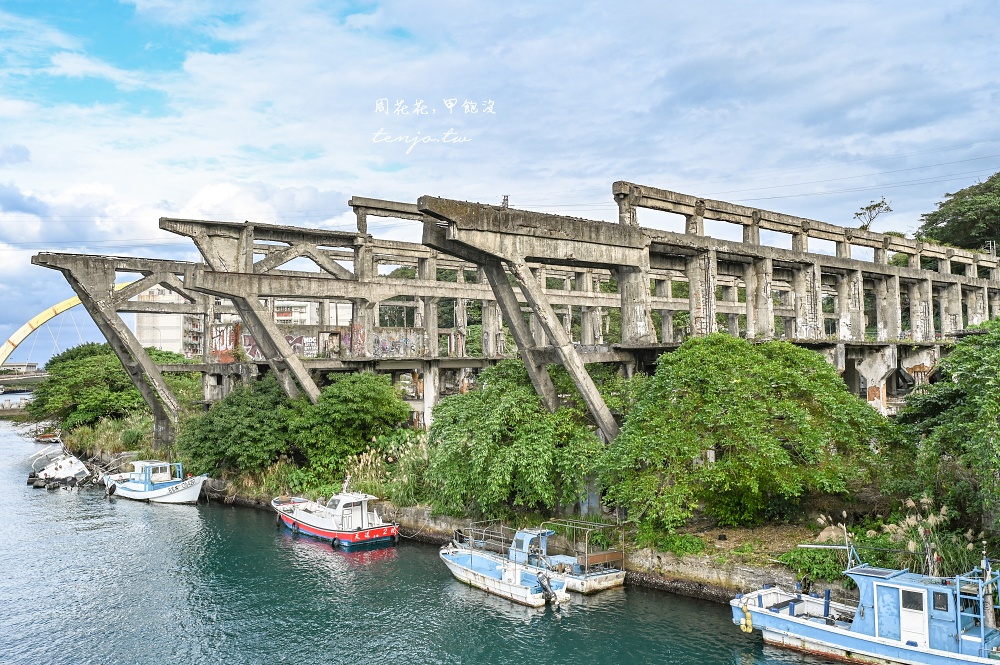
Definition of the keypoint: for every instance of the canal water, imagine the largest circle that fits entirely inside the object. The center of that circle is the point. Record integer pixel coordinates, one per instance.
(91, 580)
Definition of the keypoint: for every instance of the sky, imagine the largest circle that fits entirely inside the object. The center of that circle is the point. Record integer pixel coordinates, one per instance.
(115, 113)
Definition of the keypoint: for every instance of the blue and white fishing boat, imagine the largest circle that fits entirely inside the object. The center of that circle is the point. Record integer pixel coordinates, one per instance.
(901, 617)
(156, 481)
(507, 579)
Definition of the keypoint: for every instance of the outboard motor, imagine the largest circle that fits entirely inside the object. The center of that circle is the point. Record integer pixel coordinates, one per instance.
(547, 593)
(111, 489)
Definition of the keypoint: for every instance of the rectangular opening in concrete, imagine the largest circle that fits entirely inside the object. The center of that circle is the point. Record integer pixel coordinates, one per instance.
(663, 221)
(724, 230)
(776, 239)
(959, 268)
(397, 271)
(861, 253)
(820, 246)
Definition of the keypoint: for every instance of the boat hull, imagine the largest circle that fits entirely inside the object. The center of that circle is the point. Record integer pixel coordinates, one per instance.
(809, 636)
(465, 571)
(380, 536)
(594, 582)
(183, 492)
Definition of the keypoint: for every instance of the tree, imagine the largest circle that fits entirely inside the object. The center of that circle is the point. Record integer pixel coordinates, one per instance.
(968, 218)
(742, 428)
(956, 426)
(87, 383)
(867, 214)
(497, 448)
(350, 413)
(246, 431)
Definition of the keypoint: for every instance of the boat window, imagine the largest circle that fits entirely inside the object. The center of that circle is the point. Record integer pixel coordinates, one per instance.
(913, 600)
(941, 601)
(333, 503)
(519, 544)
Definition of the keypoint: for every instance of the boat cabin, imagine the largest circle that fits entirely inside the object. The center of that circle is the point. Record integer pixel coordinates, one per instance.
(947, 613)
(350, 511)
(151, 472)
(530, 546)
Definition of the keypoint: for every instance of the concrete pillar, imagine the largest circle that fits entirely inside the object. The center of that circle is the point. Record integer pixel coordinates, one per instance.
(751, 231)
(626, 210)
(922, 311)
(843, 249)
(492, 330)
(875, 368)
(951, 308)
(851, 306)
(461, 318)
(760, 306)
(364, 262)
(362, 215)
(887, 308)
(800, 242)
(432, 389)
(590, 317)
(915, 258)
(665, 289)
(730, 295)
(362, 326)
(637, 324)
(695, 224)
(807, 282)
(994, 299)
(431, 327)
(976, 304)
(702, 273)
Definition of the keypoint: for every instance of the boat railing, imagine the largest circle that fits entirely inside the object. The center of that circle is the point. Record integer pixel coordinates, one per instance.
(596, 546)
(489, 535)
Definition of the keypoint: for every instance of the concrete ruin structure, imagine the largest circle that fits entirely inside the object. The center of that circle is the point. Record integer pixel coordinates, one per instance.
(568, 291)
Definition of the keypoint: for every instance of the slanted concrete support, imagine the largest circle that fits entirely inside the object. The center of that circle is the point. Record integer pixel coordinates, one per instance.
(887, 308)
(511, 309)
(702, 272)
(282, 360)
(93, 281)
(850, 306)
(922, 311)
(808, 287)
(637, 325)
(760, 306)
(532, 291)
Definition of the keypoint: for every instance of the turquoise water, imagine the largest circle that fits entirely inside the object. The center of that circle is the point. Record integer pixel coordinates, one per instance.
(88, 580)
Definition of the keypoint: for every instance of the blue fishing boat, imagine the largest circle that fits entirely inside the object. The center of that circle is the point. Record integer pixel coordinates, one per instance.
(900, 617)
(507, 579)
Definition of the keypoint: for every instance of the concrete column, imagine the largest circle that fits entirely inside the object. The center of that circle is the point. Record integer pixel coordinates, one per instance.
(922, 311)
(461, 318)
(492, 330)
(843, 249)
(976, 304)
(800, 242)
(887, 307)
(951, 308)
(362, 215)
(664, 289)
(362, 326)
(590, 320)
(751, 231)
(695, 224)
(915, 258)
(702, 273)
(875, 368)
(537, 331)
(994, 299)
(730, 295)
(432, 380)
(626, 210)
(807, 282)
(851, 306)
(364, 262)
(760, 306)
(637, 325)
(431, 327)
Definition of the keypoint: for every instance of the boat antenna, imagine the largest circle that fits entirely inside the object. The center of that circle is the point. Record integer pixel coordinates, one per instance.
(346, 480)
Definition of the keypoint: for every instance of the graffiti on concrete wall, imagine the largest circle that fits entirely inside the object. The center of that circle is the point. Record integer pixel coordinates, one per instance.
(397, 343)
(302, 346)
(224, 341)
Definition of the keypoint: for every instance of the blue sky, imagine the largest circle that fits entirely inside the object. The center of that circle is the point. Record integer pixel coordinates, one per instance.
(115, 113)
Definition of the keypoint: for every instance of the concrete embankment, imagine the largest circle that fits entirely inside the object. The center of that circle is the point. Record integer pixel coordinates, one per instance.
(696, 576)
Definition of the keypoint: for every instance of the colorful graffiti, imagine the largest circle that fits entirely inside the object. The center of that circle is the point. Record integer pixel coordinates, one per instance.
(224, 341)
(397, 343)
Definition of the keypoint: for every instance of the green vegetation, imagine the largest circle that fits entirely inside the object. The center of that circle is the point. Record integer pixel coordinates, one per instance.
(968, 218)
(88, 383)
(776, 418)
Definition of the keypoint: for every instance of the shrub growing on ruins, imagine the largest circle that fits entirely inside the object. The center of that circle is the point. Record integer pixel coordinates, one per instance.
(497, 448)
(735, 426)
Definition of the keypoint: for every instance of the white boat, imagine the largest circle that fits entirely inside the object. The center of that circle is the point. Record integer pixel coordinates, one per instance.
(901, 617)
(507, 579)
(153, 480)
(584, 569)
(345, 520)
(55, 464)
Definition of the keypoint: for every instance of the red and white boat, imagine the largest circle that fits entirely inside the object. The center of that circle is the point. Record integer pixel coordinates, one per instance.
(345, 520)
